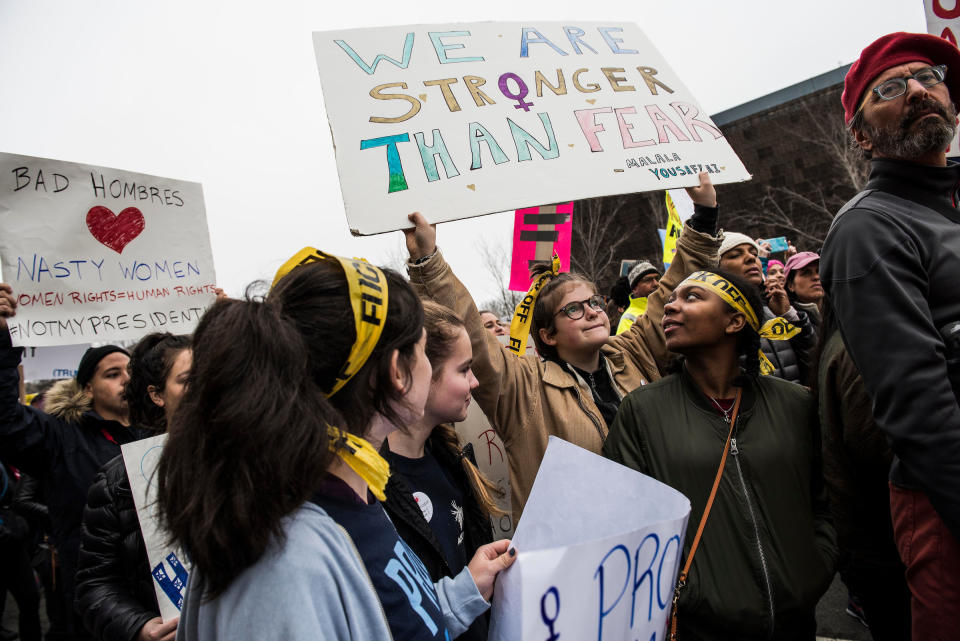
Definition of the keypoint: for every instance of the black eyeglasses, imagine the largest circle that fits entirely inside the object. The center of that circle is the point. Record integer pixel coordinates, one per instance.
(896, 87)
(575, 310)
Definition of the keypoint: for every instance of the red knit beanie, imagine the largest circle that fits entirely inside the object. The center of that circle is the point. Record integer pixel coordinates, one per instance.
(896, 49)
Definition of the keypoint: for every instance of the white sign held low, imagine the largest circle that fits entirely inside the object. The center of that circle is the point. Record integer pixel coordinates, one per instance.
(168, 566)
(99, 255)
(599, 547)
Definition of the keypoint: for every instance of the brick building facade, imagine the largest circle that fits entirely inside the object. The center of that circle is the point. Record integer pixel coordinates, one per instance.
(792, 141)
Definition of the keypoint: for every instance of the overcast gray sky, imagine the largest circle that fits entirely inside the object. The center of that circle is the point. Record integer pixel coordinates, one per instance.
(227, 94)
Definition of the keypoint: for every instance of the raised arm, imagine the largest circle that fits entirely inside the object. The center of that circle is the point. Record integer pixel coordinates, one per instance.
(28, 437)
(696, 250)
(505, 380)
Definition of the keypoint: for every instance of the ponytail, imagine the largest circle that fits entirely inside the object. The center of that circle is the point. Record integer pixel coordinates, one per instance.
(248, 443)
(443, 327)
(444, 437)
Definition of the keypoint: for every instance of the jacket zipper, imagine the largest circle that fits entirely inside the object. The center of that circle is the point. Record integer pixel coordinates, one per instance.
(588, 413)
(756, 531)
(593, 418)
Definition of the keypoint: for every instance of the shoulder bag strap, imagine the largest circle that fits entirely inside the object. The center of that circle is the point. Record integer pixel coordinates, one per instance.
(682, 578)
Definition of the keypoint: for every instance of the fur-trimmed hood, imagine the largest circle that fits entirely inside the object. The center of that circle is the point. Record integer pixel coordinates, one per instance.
(67, 401)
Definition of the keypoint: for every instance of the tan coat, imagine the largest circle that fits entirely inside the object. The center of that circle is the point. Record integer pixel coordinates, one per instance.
(526, 399)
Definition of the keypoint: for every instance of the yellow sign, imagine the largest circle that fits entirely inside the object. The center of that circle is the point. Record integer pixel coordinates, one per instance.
(674, 227)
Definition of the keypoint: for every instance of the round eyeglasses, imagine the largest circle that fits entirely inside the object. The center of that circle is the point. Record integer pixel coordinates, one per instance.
(896, 87)
(575, 310)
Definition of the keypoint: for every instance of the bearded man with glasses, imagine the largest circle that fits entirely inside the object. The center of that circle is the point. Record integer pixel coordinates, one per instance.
(890, 266)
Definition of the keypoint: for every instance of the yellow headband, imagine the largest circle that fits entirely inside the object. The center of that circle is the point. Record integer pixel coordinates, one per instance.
(775, 329)
(368, 298)
(362, 459)
(522, 315)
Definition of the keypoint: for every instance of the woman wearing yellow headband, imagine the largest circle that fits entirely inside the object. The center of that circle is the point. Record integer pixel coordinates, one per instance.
(745, 445)
(575, 391)
(270, 478)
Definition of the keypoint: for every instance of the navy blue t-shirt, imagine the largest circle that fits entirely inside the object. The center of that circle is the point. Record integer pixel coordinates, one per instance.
(440, 501)
(402, 582)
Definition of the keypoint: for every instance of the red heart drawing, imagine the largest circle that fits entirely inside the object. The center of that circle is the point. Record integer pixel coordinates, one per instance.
(114, 231)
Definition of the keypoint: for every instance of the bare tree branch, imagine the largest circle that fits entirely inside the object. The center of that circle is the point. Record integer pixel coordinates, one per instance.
(496, 261)
(597, 235)
(804, 212)
(825, 129)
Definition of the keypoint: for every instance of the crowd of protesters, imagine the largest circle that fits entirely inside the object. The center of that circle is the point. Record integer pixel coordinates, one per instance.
(808, 408)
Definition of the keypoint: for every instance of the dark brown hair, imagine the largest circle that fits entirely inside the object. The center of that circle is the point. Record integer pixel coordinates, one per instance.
(150, 363)
(544, 316)
(316, 299)
(443, 328)
(249, 444)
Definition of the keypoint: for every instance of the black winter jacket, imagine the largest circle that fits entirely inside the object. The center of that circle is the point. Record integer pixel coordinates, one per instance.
(29, 504)
(890, 266)
(115, 594)
(856, 464)
(63, 449)
(416, 532)
(791, 358)
(13, 527)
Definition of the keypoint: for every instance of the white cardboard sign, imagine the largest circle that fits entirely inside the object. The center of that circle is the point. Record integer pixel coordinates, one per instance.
(99, 255)
(598, 549)
(944, 21)
(52, 363)
(461, 120)
(491, 455)
(169, 566)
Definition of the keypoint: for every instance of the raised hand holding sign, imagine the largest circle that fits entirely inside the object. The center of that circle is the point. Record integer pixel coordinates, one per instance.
(83, 273)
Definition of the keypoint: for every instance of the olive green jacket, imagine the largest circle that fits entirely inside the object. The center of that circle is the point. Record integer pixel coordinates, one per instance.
(768, 550)
(526, 399)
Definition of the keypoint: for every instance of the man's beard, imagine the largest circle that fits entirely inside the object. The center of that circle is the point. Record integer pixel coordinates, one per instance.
(931, 135)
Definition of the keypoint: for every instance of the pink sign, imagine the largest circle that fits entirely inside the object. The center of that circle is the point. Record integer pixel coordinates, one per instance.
(537, 233)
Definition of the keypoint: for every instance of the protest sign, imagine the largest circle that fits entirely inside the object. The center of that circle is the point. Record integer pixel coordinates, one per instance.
(682, 202)
(491, 455)
(491, 458)
(598, 549)
(945, 23)
(168, 565)
(52, 363)
(99, 255)
(674, 227)
(461, 120)
(538, 232)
